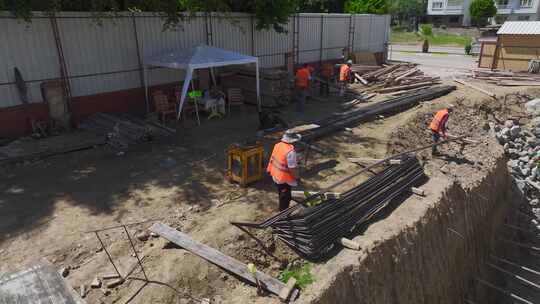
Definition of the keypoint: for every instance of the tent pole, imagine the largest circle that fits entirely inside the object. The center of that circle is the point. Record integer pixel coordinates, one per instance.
(145, 80)
(185, 87)
(259, 106)
(213, 76)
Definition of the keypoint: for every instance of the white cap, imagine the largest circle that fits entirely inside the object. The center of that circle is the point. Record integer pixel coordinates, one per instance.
(291, 137)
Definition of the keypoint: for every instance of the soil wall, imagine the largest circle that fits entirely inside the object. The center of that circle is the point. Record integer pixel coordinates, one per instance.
(436, 259)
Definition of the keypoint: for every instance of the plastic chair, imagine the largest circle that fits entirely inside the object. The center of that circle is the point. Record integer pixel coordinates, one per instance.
(235, 98)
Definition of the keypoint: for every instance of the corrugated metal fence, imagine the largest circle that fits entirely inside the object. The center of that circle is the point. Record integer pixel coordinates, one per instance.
(105, 55)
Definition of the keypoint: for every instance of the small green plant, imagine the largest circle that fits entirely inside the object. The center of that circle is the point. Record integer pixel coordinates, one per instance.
(301, 273)
(314, 201)
(468, 48)
(426, 29)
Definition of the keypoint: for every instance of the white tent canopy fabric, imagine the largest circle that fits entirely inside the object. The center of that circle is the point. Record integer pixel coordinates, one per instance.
(198, 57)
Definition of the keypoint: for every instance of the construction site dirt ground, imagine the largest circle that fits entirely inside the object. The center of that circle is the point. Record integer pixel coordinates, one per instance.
(47, 206)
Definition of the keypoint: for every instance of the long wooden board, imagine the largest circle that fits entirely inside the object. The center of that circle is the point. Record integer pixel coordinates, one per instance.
(216, 257)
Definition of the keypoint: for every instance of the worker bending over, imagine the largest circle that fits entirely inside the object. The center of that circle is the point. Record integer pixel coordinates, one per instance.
(283, 167)
(439, 126)
(302, 79)
(344, 76)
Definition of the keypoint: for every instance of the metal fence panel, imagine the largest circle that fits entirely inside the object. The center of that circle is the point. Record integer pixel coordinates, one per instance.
(310, 37)
(336, 35)
(92, 48)
(31, 48)
(154, 40)
(271, 46)
(362, 32)
(233, 32)
(104, 58)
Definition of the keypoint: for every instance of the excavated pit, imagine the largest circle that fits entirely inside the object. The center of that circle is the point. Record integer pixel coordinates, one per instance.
(439, 243)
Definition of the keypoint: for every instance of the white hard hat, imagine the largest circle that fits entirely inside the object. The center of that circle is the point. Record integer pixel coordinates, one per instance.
(291, 137)
(349, 61)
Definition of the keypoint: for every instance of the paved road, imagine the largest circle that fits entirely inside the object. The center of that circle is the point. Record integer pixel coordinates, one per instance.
(443, 65)
(436, 49)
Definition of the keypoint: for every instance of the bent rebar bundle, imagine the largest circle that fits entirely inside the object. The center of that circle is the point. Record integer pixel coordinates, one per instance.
(313, 231)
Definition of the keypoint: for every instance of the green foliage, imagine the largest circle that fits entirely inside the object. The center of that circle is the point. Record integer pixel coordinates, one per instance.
(366, 6)
(268, 13)
(435, 39)
(468, 48)
(404, 9)
(313, 201)
(481, 10)
(426, 29)
(302, 274)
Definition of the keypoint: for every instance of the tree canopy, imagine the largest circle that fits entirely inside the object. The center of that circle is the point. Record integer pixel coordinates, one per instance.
(366, 6)
(268, 13)
(481, 10)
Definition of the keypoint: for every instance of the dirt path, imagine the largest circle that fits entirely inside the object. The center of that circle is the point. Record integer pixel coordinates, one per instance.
(46, 207)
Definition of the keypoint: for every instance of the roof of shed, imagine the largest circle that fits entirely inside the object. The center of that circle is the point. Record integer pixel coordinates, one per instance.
(520, 28)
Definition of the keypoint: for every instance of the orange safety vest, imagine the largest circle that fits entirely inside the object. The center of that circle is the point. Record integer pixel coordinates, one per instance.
(277, 167)
(436, 123)
(344, 71)
(302, 78)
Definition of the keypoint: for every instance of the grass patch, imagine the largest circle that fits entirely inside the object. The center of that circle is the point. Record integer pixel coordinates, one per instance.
(435, 39)
(302, 274)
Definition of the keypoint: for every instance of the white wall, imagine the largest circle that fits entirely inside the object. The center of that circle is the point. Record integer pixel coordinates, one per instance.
(105, 56)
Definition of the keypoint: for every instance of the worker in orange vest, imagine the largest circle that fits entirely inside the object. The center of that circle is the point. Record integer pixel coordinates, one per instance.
(283, 167)
(439, 126)
(302, 79)
(344, 76)
(326, 72)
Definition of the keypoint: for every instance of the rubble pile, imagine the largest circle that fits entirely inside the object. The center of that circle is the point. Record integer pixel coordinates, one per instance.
(522, 146)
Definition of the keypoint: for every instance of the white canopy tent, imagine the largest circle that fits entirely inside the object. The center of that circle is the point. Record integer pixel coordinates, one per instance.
(199, 57)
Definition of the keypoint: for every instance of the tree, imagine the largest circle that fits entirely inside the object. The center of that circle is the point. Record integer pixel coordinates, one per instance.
(405, 10)
(268, 13)
(481, 10)
(366, 6)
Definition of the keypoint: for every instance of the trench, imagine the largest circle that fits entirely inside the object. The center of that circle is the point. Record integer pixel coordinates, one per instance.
(439, 258)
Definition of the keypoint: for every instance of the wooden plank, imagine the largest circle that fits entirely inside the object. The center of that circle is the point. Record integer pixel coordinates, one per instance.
(519, 83)
(216, 257)
(409, 73)
(418, 191)
(286, 292)
(347, 243)
(475, 87)
(406, 87)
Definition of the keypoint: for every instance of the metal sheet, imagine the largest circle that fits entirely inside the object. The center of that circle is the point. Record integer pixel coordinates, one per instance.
(520, 28)
(335, 35)
(310, 37)
(272, 46)
(31, 48)
(105, 47)
(38, 284)
(232, 32)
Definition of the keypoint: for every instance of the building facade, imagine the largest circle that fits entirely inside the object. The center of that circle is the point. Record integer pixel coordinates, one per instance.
(456, 12)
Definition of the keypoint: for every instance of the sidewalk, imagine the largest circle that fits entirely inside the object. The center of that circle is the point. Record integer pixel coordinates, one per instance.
(418, 49)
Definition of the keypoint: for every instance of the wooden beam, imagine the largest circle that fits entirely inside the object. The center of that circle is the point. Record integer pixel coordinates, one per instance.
(286, 292)
(216, 257)
(406, 87)
(347, 243)
(492, 95)
(418, 191)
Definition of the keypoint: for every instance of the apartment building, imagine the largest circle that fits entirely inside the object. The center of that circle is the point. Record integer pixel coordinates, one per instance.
(456, 12)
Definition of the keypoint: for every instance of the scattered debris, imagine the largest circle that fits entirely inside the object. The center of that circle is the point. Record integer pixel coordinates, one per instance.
(82, 291)
(142, 235)
(214, 256)
(96, 283)
(115, 283)
(64, 271)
